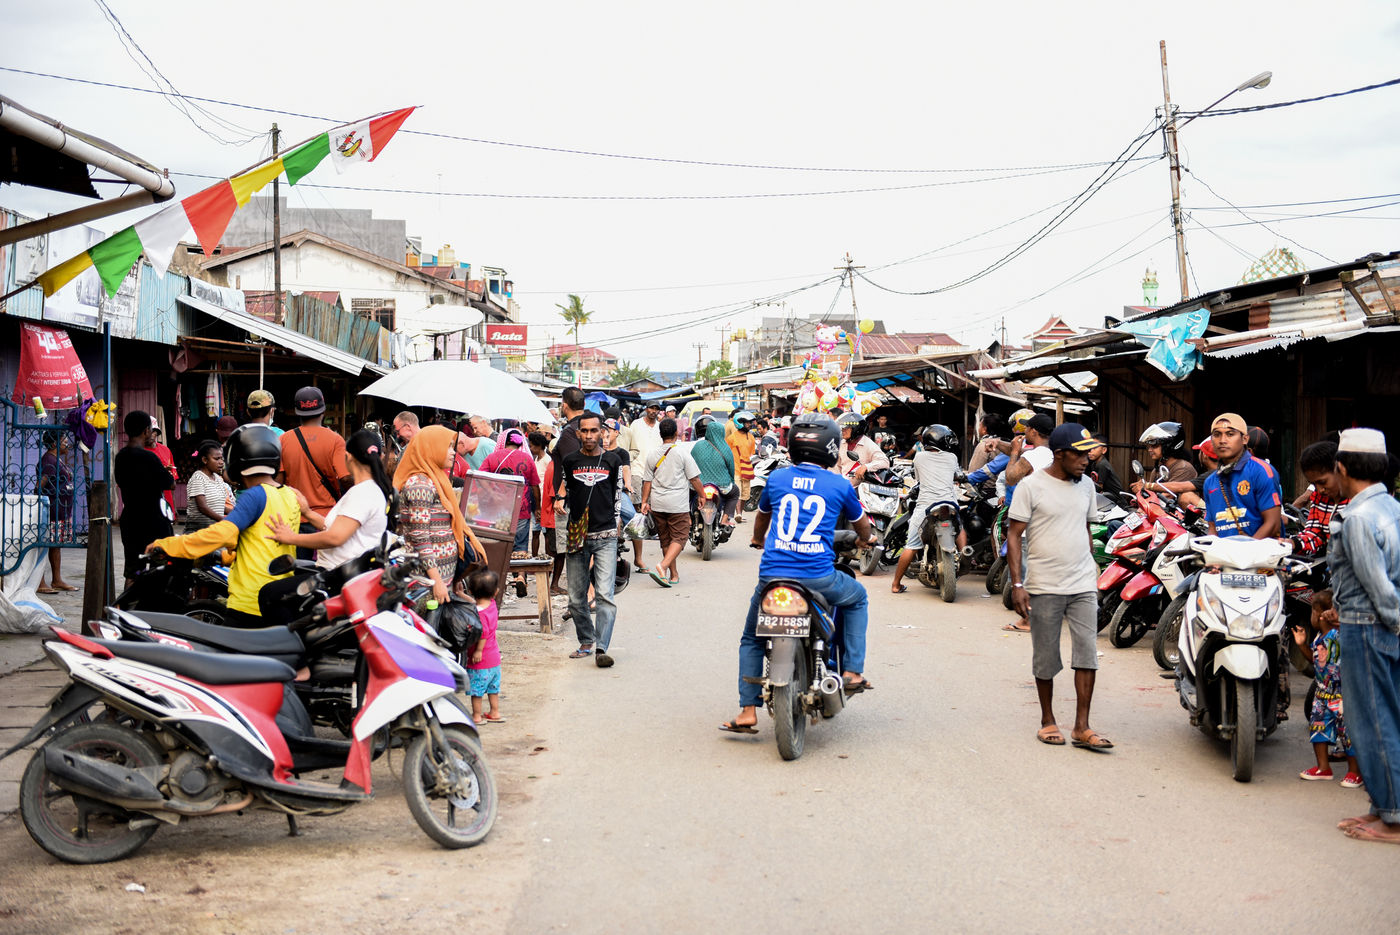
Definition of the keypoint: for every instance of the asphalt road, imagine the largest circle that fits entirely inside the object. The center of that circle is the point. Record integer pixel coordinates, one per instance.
(926, 805)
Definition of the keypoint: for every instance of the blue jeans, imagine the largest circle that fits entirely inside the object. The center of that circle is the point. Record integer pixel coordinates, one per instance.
(842, 591)
(602, 555)
(1371, 693)
(522, 535)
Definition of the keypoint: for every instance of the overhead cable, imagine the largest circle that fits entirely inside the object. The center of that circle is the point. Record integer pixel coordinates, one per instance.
(1230, 111)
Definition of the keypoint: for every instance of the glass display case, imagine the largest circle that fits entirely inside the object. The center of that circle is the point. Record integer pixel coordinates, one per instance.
(491, 504)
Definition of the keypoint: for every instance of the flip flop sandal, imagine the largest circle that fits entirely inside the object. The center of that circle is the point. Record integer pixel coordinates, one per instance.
(45, 590)
(1093, 742)
(855, 688)
(1370, 832)
(1012, 628)
(733, 727)
(1050, 734)
(658, 577)
(580, 653)
(899, 590)
(498, 719)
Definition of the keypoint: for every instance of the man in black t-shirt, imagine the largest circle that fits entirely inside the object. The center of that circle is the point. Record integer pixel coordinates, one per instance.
(586, 493)
(571, 404)
(143, 481)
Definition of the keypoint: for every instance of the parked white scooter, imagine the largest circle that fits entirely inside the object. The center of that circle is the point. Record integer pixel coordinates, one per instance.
(763, 465)
(1227, 676)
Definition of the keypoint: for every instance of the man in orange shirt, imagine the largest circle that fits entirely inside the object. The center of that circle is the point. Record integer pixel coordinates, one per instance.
(738, 433)
(313, 456)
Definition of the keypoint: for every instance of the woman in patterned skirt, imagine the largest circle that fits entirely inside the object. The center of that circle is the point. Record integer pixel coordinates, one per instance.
(428, 515)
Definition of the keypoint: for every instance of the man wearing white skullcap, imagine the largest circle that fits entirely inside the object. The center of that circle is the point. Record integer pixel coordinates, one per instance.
(1365, 563)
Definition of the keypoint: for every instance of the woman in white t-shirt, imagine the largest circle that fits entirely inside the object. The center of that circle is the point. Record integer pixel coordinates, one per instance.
(210, 496)
(358, 520)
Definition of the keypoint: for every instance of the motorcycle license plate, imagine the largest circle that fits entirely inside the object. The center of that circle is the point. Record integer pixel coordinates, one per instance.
(1134, 521)
(775, 625)
(1242, 581)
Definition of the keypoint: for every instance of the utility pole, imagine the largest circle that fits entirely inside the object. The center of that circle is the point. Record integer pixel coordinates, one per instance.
(850, 275)
(698, 348)
(1174, 167)
(723, 343)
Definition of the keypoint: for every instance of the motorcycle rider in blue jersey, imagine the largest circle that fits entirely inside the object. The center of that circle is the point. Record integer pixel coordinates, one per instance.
(809, 501)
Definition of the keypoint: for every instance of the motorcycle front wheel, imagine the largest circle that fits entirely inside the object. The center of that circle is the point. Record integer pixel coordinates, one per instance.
(87, 832)
(789, 720)
(1246, 722)
(451, 792)
(996, 575)
(1129, 623)
(1165, 649)
(751, 503)
(869, 560)
(1108, 606)
(208, 612)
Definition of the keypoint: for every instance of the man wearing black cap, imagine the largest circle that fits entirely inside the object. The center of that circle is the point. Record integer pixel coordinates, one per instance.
(313, 456)
(1052, 509)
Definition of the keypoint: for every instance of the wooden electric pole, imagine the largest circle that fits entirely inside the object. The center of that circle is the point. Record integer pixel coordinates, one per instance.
(279, 313)
(1174, 167)
(698, 348)
(850, 276)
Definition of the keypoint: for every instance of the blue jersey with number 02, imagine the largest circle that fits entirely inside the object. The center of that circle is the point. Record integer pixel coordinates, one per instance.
(806, 502)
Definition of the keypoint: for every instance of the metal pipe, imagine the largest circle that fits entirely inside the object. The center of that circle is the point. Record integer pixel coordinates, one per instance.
(81, 215)
(53, 135)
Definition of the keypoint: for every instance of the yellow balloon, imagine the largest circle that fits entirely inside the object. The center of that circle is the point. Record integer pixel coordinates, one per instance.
(866, 326)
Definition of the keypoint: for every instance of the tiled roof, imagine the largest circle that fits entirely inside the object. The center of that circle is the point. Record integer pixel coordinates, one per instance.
(907, 342)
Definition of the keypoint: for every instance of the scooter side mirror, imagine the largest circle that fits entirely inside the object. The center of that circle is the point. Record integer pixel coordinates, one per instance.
(1137, 467)
(281, 565)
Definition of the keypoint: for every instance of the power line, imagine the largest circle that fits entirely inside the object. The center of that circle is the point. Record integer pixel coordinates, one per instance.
(575, 152)
(1297, 204)
(1229, 111)
(1103, 179)
(720, 197)
(173, 97)
(1260, 223)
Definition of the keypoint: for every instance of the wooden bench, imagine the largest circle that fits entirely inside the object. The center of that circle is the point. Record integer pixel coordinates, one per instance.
(540, 568)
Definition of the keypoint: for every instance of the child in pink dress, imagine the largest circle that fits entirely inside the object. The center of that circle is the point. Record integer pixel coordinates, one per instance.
(484, 669)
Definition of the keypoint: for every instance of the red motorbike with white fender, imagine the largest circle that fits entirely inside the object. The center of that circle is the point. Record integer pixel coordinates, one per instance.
(146, 734)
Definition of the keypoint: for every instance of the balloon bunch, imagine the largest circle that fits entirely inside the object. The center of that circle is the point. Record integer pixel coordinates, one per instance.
(823, 386)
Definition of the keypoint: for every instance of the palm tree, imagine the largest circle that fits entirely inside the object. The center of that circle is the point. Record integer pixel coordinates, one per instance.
(575, 315)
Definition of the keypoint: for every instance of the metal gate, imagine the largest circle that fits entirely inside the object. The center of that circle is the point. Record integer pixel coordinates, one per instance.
(45, 476)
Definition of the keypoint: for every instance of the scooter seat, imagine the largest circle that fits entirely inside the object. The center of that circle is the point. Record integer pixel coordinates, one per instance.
(259, 641)
(209, 668)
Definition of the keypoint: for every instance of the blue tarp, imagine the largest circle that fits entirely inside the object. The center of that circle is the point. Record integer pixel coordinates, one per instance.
(1167, 340)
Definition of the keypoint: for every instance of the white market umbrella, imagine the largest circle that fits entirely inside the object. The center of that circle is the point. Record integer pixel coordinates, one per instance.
(461, 386)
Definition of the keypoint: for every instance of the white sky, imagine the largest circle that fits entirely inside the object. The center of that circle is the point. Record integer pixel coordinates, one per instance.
(873, 85)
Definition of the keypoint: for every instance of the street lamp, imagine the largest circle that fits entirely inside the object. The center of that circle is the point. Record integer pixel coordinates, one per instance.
(1260, 80)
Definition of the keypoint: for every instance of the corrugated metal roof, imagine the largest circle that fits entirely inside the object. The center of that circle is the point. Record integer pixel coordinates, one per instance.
(285, 337)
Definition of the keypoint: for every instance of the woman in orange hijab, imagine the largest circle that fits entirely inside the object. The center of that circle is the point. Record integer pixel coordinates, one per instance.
(428, 515)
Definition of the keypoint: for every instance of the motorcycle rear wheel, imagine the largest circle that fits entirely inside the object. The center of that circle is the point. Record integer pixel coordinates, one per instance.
(440, 791)
(55, 819)
(1243, 740)
(751, 503)
(707, 541)
(948, 577)
(789, 720)
(996, 575)
(1165, 649)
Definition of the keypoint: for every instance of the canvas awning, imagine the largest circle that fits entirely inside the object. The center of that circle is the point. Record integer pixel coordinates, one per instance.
(285, 337)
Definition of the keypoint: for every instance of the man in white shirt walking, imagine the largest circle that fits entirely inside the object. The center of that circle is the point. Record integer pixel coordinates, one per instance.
(1052, 508)
(643, 437)
(666, 473)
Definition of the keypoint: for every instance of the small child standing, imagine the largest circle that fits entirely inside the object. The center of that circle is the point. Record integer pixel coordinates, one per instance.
(484, 669)
(1327, 726)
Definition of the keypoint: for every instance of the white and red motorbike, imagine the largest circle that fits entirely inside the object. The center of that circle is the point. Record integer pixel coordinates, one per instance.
(150, 734)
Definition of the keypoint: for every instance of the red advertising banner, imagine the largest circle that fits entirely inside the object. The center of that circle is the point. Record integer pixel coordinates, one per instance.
(508, 337)
(49, 368)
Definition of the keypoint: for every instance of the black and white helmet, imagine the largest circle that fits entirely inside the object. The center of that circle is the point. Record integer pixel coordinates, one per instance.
(1169, 435)
(815, 439)
(940, 437)
(252, 449)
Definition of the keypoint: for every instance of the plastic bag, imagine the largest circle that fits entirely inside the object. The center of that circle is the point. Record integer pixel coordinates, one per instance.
(21, 610)
(458, 623)
(641, 526)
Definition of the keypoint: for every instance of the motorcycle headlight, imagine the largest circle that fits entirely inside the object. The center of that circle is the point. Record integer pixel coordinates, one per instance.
(1159, 535)
(1275, 605)
(1210, 605)
(783, 602)
(1246, 626)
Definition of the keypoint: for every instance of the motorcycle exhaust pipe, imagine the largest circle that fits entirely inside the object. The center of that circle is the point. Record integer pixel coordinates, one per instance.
(832, 702)
(967, 551)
